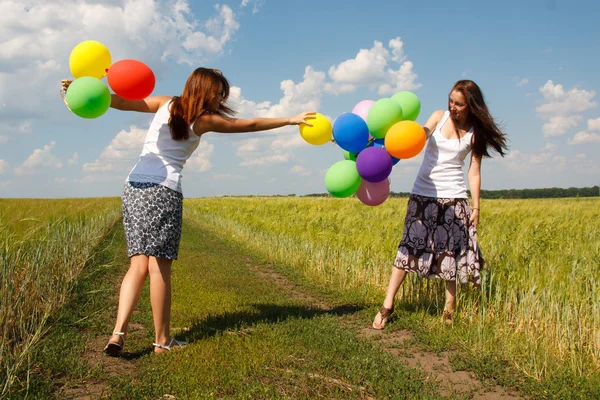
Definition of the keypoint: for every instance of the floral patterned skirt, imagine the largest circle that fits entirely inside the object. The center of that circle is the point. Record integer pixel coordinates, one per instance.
(438, 242)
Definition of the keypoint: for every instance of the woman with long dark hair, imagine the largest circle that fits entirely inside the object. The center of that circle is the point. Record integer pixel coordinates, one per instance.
(440, 228)
(152, 198)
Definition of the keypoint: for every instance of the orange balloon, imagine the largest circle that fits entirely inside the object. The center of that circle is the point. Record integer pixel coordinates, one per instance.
(405, 139)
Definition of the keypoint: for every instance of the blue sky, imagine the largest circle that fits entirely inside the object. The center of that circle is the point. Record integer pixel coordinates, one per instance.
(536, 62)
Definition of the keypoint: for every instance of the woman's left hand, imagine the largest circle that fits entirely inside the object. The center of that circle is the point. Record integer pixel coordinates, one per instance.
(474, 220)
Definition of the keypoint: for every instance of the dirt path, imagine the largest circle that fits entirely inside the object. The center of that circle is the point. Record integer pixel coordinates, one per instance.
(399, 343)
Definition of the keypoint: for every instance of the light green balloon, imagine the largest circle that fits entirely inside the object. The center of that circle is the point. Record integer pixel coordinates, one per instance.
(88, 97)
(410, 103)
(349, 156)
(342, 179)
(382, 115)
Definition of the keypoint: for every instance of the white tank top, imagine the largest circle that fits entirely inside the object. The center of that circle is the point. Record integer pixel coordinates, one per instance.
(163, 158)
(441, 173)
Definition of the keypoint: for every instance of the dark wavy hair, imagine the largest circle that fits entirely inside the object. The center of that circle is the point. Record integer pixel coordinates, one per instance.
(486, 132)
(201, 87)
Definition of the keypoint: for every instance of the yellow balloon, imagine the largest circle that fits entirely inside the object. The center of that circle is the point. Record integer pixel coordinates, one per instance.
(89, 58)
(319, 133)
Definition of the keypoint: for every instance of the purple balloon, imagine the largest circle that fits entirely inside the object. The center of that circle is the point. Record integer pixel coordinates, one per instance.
(373, 194)
(374, 164)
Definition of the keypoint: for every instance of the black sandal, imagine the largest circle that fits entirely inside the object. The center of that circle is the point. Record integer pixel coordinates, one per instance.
(115, 349)
(385, 314)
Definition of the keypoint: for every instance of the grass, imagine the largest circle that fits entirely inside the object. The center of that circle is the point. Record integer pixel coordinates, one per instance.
(43, 249)
(537, 314)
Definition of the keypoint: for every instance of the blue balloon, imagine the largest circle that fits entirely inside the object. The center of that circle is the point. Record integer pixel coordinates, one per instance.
(350, 132)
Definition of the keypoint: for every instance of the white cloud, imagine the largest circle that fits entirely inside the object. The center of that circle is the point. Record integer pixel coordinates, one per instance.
(60, 180)
(73, 160)
(562, 109)
(200, 160)
(558, 125)
(39, 160)
(300, 170)
(520, 82)
(371, 68)
(121, 154)
(40, 37)
(593, 124)
(585, 137)
(25, 126)
(557, 101)
(267, 160)
(3, 166)
(256, 5)
(3, 139)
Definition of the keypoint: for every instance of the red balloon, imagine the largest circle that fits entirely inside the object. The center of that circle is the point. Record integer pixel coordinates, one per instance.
(131, 79)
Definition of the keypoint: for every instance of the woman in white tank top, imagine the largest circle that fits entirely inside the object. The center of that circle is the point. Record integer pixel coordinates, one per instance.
(440, 227)
(152, 196)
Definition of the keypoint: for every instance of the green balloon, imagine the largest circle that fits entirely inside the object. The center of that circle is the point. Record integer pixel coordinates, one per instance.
(410, 103)
(349, 156)
(88, 97)
(342, 179)
(382, 115)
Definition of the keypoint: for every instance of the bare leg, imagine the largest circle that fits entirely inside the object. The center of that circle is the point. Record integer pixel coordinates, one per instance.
(396, 280)
(160, 298)
(450, 306)
(131, 289)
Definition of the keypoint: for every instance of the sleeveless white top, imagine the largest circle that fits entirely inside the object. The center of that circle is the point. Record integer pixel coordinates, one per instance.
(441, 173)
(163, 158)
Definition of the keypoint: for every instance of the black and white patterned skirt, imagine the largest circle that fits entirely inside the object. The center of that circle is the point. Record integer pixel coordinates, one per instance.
(438, 242)
(152, 217)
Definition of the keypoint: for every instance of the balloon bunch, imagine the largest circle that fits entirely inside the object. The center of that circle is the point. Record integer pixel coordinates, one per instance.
(90, 61)
(373, 137)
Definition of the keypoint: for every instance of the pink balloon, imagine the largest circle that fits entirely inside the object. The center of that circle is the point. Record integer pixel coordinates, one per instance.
(373, 194)
(362, 108)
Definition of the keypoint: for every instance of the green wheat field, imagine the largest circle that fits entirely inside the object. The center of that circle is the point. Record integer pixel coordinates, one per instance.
(537, 311)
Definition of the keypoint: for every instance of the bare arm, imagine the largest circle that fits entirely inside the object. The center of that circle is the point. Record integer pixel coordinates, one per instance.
(432, 122)
(221, 124)
(474, 176)
(147, 105)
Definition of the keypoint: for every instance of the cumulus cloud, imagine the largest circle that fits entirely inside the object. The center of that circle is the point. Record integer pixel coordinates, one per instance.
(561, 109)
(3, 166)
(39, 160)
(584, 137)
(120, 155)
(200, 160)
(386, 70)
(40, 37)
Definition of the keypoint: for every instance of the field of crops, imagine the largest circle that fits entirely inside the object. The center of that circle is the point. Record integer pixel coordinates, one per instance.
(538, 307)
(44, 245)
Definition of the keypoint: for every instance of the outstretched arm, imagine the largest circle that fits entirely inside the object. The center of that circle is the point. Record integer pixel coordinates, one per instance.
(221, 124)
(147, 105)
(475, 187)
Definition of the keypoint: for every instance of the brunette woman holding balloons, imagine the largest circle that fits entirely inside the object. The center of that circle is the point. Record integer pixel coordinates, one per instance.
(439, 238)
(152, 198)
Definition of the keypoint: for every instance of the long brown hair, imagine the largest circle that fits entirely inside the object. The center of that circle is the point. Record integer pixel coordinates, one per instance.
(201, 87)
(486, 131)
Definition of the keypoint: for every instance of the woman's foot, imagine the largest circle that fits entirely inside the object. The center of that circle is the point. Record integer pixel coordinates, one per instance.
(382, 317)
(115, 344)
(173, 343)
(447, 317)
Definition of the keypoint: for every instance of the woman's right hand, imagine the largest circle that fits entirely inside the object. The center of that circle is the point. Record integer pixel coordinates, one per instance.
(302, 118)
(65, 83)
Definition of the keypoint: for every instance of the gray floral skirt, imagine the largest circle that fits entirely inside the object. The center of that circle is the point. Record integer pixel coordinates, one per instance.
(152, 217)
(438, 242)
